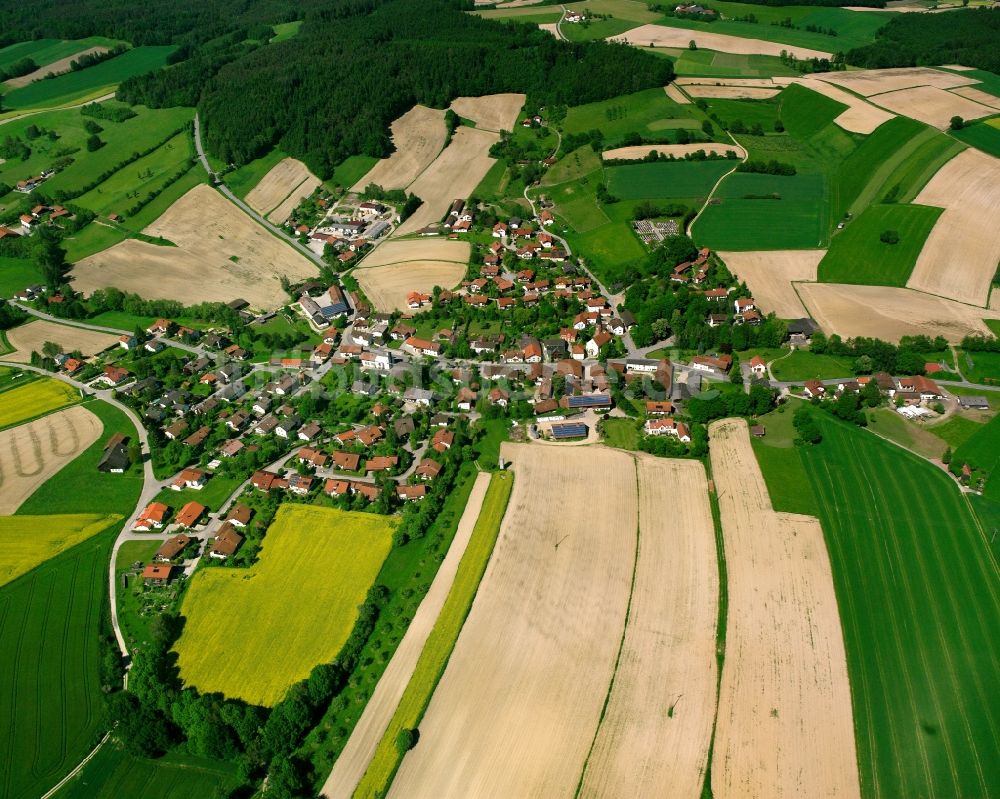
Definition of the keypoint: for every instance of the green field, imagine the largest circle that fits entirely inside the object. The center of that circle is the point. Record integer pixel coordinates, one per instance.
(980, 367)
(981, 451)
(802, 365)
(48, 51)
(956, 430)
(216, 491)
(666, 178)
(351, 170)
(983, 135)
(50, 693)
(283, 639)
(90, 82)
(648, 113)
(16, 274)
(285, 30)
(571, 166)
(917, 587)
(710, 63)
(787, 482)
(434, 657)
(915, 172)
(857, 255)
(913, 436)
(242, 180)
(620, 433)
(576, 202)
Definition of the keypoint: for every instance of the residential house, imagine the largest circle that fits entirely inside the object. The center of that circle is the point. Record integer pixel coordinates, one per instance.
(156, 574)
(411, 492)
(442, 440)
(190, 514)
(381, 463)
(226, 542)
(190, 478)
(239, 515)
(172, 547)
(153, 517)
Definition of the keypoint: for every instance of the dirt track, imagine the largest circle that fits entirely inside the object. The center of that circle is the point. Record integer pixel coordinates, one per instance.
(31, 453)
(31, 336)
(418, 137)
(769, 274)
(663, 36)
(492, 112)
(785, 725)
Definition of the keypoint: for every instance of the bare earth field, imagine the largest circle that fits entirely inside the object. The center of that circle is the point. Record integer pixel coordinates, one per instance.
(663, 36)
(208, 231)
(279, 183)
(876, 81)
(515, 712)
(454, 174)
(492, 112)
(280, 214)
(433, 249)
(550, 27)
(733, 92)
(931, 105)
(654, 737)
(887, 312)
(785, 725)
(676, 94)
(961, 253)
(418, 137)
(357, 754)
(978, 95)
(763, 83)
(387, 286)
(62, 65)
(640, 151)
(860, 116)
(31, 453)
(31, 336)
(770, 275)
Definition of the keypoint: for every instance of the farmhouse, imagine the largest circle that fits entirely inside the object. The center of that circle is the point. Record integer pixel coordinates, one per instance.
(115, 458)
(814, 388)
(709, 363)
(977, 403)
(758, 366)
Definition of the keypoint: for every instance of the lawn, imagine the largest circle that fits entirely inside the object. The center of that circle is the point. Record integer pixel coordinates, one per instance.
(114, 774)
(787, 483)
(920, 609)
(802, 365)
(857, 255)
(51, 703)
(431, 664)
(90, 82)
(35, 399)
(647, 112)
(496, 431)
(16, 274)
(316, 567)
(28, 541)
(982, 452)
(216, 491)
(351, 170)
(620, 433)
(980, 367)
(673, 179)
(956, 430)
(983, 135)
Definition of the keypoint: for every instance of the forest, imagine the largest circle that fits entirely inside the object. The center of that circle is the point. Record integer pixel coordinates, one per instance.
(970, 37)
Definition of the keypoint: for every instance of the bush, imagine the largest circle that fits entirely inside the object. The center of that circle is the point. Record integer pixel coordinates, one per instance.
(94, 143)
(889, 237)
(806, 425)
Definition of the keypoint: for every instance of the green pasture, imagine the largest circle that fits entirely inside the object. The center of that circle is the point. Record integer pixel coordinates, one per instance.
(981, 451)
(956, 430)
(576, 202)
(16, 274)
(47, 51)
(980, 367)
(711, 63)
(666, 178)
(571, 166)
(285, 30)
(787, 482)
(351, 170)
(983, 135)
(801, 365)
(592, 31)
(920, 166)
(648, 113)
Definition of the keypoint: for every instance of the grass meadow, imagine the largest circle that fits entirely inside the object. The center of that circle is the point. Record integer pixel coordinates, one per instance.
(802, 365)
(666, 178)
(711, 63)
(48, 51)
(16, 274)
(28, 541)
(983, 135)
(956, 430)
(647, 112)
(981, 450)
(35, 399)
(857, 255)
(441, 641)
(242, 180)
(980, 367)
(315, 568)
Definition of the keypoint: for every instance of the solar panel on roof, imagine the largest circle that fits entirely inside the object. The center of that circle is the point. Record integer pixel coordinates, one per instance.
(589, 401)
(571, 430)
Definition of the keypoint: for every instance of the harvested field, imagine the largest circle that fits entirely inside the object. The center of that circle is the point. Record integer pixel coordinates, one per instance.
(56, 67)
(423, 249)
(640, 151)
(978, 95)
(387, 286)
(515, 712)
(280, 181)
(785, 724)
(867, 82)
(492, 112)
(418, 137)
(887, 312)
(961, 253)
(860, 116)
(209, 232)
(676, 94)
(765, 83)
(733, 92)
(654, 737)
(30, 337)
(280, 214)
(550, 27)
(31, 453)
(663, 36)
(454, 174)
(770, 274)
(931, 105)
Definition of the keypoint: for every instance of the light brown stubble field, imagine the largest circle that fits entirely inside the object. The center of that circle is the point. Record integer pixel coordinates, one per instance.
(770, 273)
(733, 92)
(56, 67)
(277, 184)
(676, 94)
(931, 105)
(208, 231)
(33, 335)
(860, 116)
(640, 151)
(971, 93)
(664, 36)
(785, 724)
(867, 82)
(418, 137)
(31, 453)
(387, 286)
(397, 251)
(492, 112)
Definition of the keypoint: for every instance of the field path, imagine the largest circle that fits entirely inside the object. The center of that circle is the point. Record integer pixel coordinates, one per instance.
(711, 194)
(357, 754)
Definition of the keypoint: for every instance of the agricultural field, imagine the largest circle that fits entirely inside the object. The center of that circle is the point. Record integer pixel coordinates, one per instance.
(493, 112)
(710, 63)
(666, 178)
(857, 254)
(17, 274)
(35, 399)
(980, 367)
(859, 117)
(787, 483)
(88, 83)
(417, 136)
(983, 135)
(919, 605)
(386, 287)
(242, 180)
(981, 451)
(281, 189)
(51, 703)
(31, 337)
(277, 645)
(770, 273)
(48, 51)
(664, 36)
(28, 541)
(648, 112)
(64, 64)
(639, 151)
(911, 435)
(800, 365)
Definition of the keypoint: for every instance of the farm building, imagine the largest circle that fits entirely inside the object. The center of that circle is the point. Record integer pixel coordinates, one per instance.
(568, 430)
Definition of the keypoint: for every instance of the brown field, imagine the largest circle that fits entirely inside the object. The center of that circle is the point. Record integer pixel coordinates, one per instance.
(418, 137)
(958, 67)
(962, 251)
(640, 151)
(550, 27)
(62, 65)
(283, 178)
(733, 92)
(876, 81)
(676, 94)
(454, 174)
(492, 112)
(663, 36)
(654, 737)
(978, 95)
(397, 251)
(31, 453)
(208, 230)
(31, 336)
(764, 83)
(931, 105)
(860, 116)
(887, 313)
(387, 286)
(785, 725)
(515, 712)
(280, 214)
(770, 275)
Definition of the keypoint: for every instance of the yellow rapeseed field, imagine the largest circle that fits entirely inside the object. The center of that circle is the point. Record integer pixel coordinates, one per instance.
(34, 399)
(252, 633)
(28, 541)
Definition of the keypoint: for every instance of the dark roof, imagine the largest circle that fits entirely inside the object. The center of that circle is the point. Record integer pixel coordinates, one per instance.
(569, 430)
(114, 458)
(804, 326)
(590, 401)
